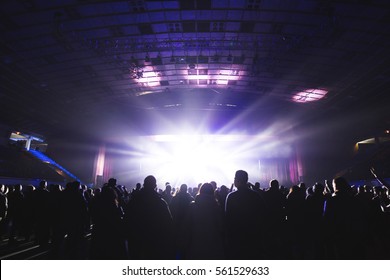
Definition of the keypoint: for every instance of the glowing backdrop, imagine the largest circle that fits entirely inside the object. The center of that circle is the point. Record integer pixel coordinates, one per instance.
(197, 158)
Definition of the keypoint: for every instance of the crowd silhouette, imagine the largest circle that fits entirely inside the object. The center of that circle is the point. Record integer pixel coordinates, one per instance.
(330, 221)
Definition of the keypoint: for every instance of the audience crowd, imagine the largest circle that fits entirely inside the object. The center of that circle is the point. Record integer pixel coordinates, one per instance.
(330, 221)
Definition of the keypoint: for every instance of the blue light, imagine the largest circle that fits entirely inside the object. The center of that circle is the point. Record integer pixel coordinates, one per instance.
(46, 159)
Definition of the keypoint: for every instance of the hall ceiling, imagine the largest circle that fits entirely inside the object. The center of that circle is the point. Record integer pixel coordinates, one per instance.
(66, 64)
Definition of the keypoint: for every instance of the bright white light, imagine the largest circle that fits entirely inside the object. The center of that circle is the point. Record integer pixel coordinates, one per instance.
(149, 74)
(143, 93)
(226, 72)
(309, 95)
(189, 159)
(194, 158)
(150, 79)
(222, 82)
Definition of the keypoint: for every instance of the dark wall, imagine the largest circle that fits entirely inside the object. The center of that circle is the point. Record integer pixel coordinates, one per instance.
(76, 156)
(5, 132)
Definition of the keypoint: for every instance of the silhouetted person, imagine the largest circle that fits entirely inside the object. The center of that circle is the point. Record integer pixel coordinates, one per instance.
(179, 207)
(363, 204)
(56, 223)
(88, 194)
(15, 212)
(204, 227)
(3, 210)
(256, 188)
(108, 236)
(315, 223)
(125, 195)
(167, 194)
(379, 223)
(74, 218)
(28, 211)
(295, 222)
(112, 183)
(194, 191)
(276, 220)
(341, 222)
(214, 184)
(149, 224)
(221, 195)
(303, 190)
(245, 211)
(41, 210)
(135, 191)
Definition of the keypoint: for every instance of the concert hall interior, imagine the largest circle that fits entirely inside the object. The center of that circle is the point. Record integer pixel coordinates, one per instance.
(192, 91)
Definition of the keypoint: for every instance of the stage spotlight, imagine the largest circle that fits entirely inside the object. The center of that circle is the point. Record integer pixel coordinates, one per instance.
(191, 159)
(309, 95)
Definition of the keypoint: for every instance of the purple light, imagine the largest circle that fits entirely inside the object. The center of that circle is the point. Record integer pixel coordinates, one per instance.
(309, 95)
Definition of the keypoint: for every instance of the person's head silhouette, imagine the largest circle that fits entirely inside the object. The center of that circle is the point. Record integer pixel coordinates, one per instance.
(241, 179)
(150, 183)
